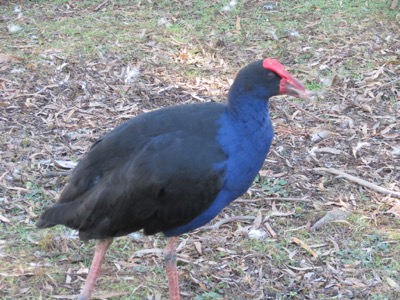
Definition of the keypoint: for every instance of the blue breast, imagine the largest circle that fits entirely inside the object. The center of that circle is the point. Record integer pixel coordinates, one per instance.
(246, 143)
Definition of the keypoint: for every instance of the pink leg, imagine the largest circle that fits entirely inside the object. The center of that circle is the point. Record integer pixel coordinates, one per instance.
(94, 272)
(172, 273)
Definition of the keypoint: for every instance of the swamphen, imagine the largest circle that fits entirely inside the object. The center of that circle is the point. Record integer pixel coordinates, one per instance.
(174, 169)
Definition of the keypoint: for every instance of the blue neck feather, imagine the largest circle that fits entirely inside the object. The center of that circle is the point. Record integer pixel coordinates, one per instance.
(245, 134)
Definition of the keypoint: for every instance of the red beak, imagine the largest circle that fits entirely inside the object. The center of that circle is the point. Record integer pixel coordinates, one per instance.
(289, 85)
(292, 87)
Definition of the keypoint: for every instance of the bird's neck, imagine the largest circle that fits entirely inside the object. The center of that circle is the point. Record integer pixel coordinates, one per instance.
(245, 135)
(250, 109)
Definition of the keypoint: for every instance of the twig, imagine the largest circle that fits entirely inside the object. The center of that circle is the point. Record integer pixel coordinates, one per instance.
(15, 188)
(296, 229)
(287, 199)
(306, 112)
(143, 252)
(275, 199)
(4, 79)
(55, 174)
(391, 82)
(270, 230)
(36, 94)
(4, 174)
(227, 220)
(276, 214)
(30, 95)
(100, 6)
(360, 181)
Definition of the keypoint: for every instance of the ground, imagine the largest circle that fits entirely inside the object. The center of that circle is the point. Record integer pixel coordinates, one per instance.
(70, 71)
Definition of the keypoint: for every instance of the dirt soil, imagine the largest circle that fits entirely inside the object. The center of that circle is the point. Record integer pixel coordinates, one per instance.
(322, 219)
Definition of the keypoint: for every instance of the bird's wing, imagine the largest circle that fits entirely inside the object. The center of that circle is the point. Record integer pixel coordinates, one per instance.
(163, 183)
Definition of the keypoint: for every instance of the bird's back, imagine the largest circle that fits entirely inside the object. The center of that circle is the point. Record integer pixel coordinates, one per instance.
(156, 171)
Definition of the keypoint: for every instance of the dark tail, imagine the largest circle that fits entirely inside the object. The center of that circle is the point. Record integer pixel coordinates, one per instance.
(52, 216)
(62, 214)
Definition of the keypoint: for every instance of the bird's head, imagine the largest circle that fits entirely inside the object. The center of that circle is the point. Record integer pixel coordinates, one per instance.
(263, 79)
(288, 84)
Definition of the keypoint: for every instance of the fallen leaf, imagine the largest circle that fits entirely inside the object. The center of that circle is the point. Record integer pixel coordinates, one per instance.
(198, 247)
(4, 219)
(320, 134)
(68, 279)
(327, 150)
(355, 281)
(65, 164)
(5, 58)
(303, 245)
(395, 210)
(393, 283)
(238, 26)
(257, 234)
(331, 216)
(359, 146)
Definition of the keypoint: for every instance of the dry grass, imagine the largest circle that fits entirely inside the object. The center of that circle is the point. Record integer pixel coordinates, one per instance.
(69, 76)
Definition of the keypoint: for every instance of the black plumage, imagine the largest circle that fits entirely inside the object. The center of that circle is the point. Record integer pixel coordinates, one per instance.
(143, 175)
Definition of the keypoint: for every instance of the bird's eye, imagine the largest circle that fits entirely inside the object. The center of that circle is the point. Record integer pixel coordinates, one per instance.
(270, 75)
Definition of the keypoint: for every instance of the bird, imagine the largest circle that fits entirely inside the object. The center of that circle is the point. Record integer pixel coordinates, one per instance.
(172, 170)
